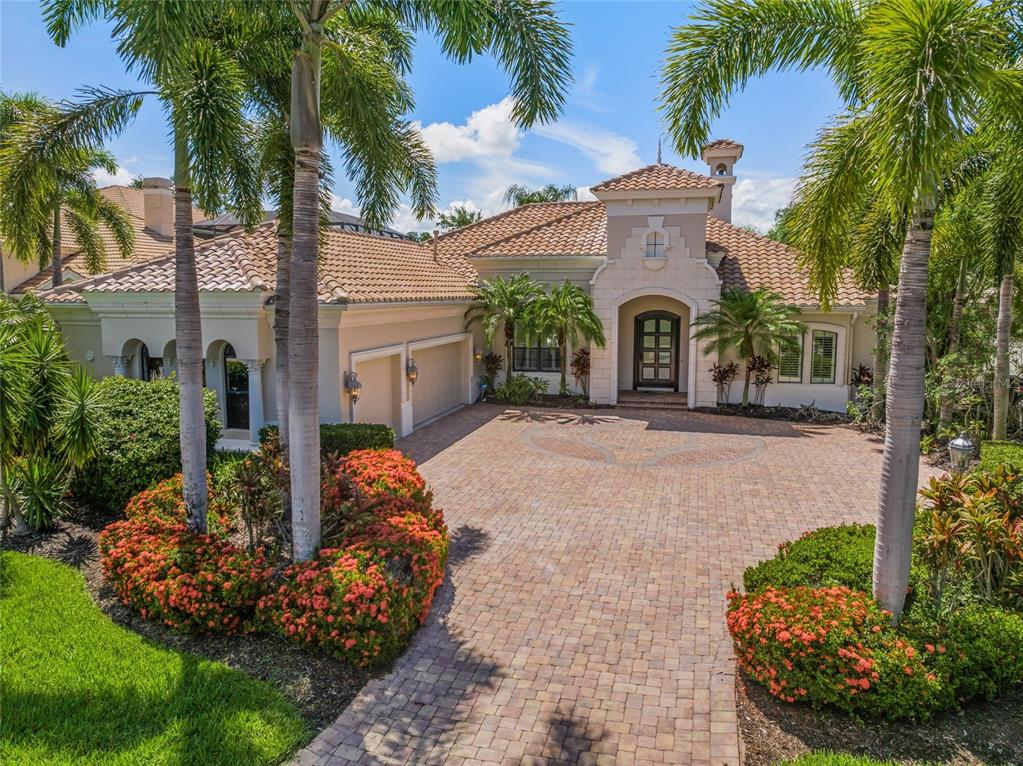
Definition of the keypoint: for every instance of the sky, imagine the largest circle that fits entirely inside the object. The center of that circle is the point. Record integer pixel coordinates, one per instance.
(610, 123)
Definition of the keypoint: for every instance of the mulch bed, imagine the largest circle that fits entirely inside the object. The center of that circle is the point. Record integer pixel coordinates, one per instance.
(773, 731)
(791, 414)
(319, 686)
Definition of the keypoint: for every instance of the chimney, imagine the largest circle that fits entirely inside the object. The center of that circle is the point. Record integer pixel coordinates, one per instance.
(158, 195)
(436, 233)
(721, 156)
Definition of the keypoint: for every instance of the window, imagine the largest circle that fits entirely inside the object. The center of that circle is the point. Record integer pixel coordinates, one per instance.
(655, 245)
(790, 363)
(534, 354)
(721, 169)
(822, 356)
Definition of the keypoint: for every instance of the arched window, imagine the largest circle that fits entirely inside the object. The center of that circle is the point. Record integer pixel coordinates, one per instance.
(655, 245)
(721, 169)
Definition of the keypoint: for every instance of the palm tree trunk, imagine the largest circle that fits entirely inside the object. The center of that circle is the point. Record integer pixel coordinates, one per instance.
(745, 388)
(882, 350)
(3, 284)
(904, 408)
(509, 349)
(282, 314)
(954, 322)
(1001, 390)
(188, 334)
(303, 326)
(564, 366)
(55, 265)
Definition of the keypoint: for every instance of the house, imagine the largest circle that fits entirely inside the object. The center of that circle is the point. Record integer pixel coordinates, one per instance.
(654, 250)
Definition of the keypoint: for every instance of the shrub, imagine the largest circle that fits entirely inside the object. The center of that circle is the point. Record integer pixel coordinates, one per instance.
(840, 555)
(191, 582)
(164, 502)
(994, 454)
(139, 441)
(831, 646)
(521, 389)
(378, 473)
(342, 438)
(38, 485)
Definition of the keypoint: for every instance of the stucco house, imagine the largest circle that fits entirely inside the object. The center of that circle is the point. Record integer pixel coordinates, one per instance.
(654, 250)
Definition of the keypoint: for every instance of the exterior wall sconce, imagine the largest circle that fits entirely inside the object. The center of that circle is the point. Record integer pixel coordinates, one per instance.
(353, 386)
(411, 371)
(960, 452)
(478, 356)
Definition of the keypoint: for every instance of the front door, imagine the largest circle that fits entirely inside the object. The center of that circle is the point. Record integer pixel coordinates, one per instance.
(656, 344)
(236, 386)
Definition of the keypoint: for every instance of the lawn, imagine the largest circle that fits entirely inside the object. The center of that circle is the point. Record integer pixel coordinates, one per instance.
(78, 689)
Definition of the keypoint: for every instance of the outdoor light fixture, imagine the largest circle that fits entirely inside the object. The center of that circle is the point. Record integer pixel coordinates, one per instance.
(478, 356)
(960, 452)
(411, 371)
(353, 386)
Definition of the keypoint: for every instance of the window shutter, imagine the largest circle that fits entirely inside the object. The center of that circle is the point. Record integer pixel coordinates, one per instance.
(822, 360)
(790, 363)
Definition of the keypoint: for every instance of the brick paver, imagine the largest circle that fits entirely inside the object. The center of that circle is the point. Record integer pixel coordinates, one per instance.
(582, 620)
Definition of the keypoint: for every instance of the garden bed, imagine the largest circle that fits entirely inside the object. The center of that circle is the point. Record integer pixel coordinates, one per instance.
(806, 414)
(773, 731)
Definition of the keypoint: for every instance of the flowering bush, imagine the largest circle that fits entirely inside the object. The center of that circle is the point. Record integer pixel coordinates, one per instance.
(832, 646)
(164, 501)
(188, 581)
(378, 473)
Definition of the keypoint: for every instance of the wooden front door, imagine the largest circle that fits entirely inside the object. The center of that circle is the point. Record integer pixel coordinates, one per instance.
(656, 349)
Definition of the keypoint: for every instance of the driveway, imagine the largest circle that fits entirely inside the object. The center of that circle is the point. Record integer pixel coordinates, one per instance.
(582, 620)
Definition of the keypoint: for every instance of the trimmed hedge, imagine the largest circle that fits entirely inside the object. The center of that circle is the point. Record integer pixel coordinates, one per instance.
(139, 442)
(994, 454)
(342, 438)
(842, 555)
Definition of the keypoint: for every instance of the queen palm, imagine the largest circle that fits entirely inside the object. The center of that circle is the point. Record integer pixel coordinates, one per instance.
(527, 39)
(566, 313)
(750, 324)
(916, 75)
(457, 217)
(504, 303)
(46, 182)
(518, 195)
(177, 47)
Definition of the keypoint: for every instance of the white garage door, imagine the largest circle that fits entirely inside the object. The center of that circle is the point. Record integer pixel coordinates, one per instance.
(381, 392)
(441, 383)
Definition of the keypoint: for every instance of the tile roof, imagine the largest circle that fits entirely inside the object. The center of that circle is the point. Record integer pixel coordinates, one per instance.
(657, 177)
(724, 143)
(148, 244)
(468, 239)
(354, 268)
(582, 230)
(752, 261)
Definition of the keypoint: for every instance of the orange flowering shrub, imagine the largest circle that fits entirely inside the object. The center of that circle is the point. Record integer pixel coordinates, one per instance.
(193, 582)
(386, 472)
(164, 501)
(832, 646)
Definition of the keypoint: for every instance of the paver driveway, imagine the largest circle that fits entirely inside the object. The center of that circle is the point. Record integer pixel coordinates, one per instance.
(582, 618)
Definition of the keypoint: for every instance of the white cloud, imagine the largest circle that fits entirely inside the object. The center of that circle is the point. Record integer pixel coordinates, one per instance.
(105, 178)
(611, 153)
(583, 194)
(585, 93)
(489, 132)
(755, 200)
(344, 205)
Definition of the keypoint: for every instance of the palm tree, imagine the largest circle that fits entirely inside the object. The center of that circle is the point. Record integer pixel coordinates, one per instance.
(916, 74)
(506, 303)
(757, 323)
(518, 195)
(198, 79)
(528, 40)
(566, 313)
(457, 217)
(46, 181)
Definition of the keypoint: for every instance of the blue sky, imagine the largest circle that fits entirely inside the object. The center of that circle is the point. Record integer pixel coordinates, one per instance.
(609, 125)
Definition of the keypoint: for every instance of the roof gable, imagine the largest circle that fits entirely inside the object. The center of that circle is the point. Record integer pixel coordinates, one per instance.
(657, 177)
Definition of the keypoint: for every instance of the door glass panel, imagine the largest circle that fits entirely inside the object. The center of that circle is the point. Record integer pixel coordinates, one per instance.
(649, 325)
(664, 357)
(649, 341)
(664, 341)
(665, 325)
(648, 373)
(648, 357)
(664, 373)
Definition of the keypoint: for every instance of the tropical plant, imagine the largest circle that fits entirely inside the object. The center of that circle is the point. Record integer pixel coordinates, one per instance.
(506, 303)
(492, 364)
(457, 217)
(566, 313)
(916, 77)
(752, 324)
(527, 39)
(521, 389)
(518, 195)
(723, 375)
(581, 369)
(46, 183)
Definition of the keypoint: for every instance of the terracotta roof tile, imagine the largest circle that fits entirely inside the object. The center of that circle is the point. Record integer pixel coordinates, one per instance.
(657, 177)
(354, 268)
(469, 239)
(724, 143)
(581, 231)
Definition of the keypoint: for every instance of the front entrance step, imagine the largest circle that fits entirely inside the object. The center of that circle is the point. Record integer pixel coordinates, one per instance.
(652, 400)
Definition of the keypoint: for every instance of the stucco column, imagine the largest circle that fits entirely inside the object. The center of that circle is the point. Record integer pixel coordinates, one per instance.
(120, 364)
(255, 368)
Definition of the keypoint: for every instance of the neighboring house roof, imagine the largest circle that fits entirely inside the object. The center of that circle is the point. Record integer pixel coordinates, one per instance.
(354, 268)
(227, 222)
(657, 177)
(148, 244)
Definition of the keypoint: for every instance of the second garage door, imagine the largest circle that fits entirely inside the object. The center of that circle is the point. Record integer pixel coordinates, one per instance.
(441, 384)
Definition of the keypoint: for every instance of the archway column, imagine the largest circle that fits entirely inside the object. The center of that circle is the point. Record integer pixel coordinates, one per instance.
(120, 365)
(255, 369)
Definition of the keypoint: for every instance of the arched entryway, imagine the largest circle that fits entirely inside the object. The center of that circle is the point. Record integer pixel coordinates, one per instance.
(656, 343)
(236, 390)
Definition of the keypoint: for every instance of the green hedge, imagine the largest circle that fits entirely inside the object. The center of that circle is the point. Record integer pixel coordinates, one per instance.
(841, 555)
(139, 440)
(343, 438)
(994, 454)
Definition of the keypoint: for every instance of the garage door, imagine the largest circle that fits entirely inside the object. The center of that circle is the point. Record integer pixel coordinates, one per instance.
(441, 383)
(380, 395)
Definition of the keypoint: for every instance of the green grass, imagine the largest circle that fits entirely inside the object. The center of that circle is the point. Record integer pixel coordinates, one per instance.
(994, 454)
(836, 759)
(78, 689)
